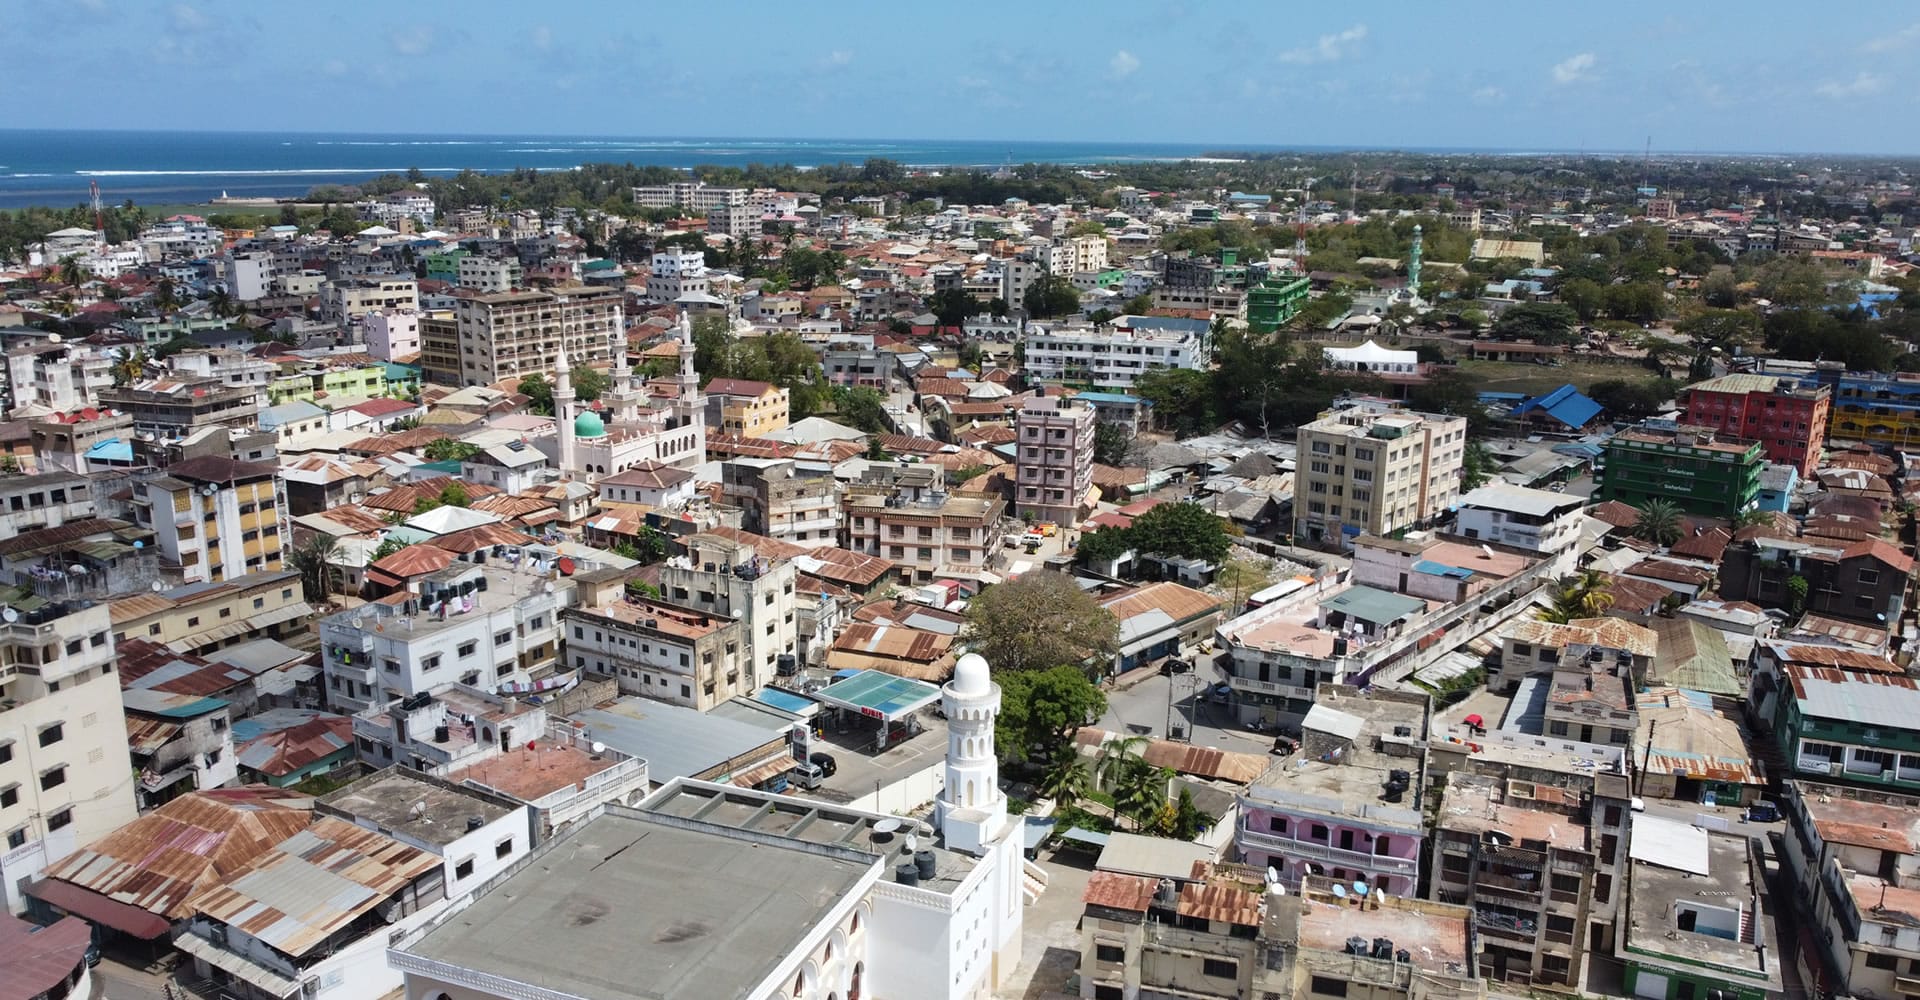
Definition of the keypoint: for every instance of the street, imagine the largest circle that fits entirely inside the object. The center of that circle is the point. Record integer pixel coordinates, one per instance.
(1144, 709)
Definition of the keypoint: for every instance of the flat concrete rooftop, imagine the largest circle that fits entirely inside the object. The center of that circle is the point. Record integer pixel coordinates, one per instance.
(411, 805)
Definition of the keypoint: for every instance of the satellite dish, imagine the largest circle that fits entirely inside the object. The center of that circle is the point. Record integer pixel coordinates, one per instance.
(418, 810)
(156, 586)
(138, 545)
(888, 825)
(549, 586)
(597, 747)
(1339, 892)
(9, 616)
(358, 623)
(1360, 889)
(1273, 875)
(209, 490)
(913, 842)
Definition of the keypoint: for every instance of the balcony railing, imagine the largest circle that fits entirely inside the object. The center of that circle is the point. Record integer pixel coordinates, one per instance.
(1272, 842)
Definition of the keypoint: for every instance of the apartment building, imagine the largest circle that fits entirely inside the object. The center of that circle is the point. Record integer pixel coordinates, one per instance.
(1851, 722)
(440, 348)
(1075, 255)
(1346, 803)
(1692, 467)
(745, 407)
(392, 334)
(1054, 464)
(179, 742)
(1530, 647)
(214, 519)
(489, 274)
(510, 335)
(1854, 855)
(72, 443)
(1110, 358)
(735, 221)
(172, 409)
(1520, 854)
(476, 624)
(56, 377)
(1194, 935)
(65, 772)
(677, 273)
(1699, 920)
(777, 499)
(719, 576)
(695, 196)
(350, 298)
(905, 514)
(1539, 521)
(1369, 468)
(203, 618)
(657, 650)
(46, 500)
(1787, 418)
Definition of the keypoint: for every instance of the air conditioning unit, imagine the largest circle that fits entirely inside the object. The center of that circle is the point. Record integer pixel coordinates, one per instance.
(1834, 768)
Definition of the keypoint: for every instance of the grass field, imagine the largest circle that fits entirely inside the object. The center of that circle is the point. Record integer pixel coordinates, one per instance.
(1532, 379)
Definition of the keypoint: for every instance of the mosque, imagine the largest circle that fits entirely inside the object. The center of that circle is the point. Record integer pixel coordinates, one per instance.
(637, 428)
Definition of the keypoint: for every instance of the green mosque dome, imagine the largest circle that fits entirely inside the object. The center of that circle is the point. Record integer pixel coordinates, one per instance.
(589, 425)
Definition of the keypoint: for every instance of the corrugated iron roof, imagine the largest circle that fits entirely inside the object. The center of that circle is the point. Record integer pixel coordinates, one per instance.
(312, 884)
(1117, 891)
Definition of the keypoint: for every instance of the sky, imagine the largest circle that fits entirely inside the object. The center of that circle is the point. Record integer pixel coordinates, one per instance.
(1760, 76)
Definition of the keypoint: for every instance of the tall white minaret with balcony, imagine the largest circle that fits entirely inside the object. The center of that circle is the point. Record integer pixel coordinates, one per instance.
(563, 409)
(971, 810)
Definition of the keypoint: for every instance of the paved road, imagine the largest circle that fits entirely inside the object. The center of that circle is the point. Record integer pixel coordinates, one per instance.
(1049, 936)
(1145, 707)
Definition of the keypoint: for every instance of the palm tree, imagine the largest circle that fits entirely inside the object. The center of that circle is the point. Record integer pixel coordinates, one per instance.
(314, 560)
(71, 271)
(1138, 788)
(1660, 522)
(130, 365)
(1067, 780)
(222, 303)
(1587, 595)
(165, 297)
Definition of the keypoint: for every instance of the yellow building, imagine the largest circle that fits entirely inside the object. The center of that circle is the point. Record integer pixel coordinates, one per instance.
(202, 618)
(747, 408)
(213, 518)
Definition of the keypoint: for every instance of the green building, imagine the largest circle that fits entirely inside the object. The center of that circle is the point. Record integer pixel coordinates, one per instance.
(445, 266)
(1271, 303)
(1850, 728)
(1704, 475)
(359, 381)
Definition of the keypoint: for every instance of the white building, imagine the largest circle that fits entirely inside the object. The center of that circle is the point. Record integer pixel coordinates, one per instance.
(486, 274)
(476, 834)
(250, 275)
(677, 273)
(393, 333)
(724, 577)
(66, 777)
(796, 899)
(1110, 358)
(637, 430)
(1536, 520)
(349, 298)
(57, 376)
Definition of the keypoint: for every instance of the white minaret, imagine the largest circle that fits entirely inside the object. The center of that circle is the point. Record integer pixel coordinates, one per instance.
(690, 409)
(563, 409)
(971, 810)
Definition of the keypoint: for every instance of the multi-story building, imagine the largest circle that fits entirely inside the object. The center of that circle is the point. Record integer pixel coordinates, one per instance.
(1198, 935)
(1787, 418)
(1699, 923)
(1875, 407)
(179, 742)
(214, 519)
(488, 274)
(1520, 855)
(695, 196)
(477, 624)
(1694, 468)
(202, 618)
(1864, 581)
(56, 377)
(65, 774)
(1110, 358)
(720, 576)
(347, 299)
(1326, 942)
(655, 649)
(778, 500)
(745, 407)
(249, 275)
(1539, 521)
(1054, 464)
(47, 500)
(905, 514)
(734, 221)
(1273, 303)
(392, 334)
(440, 348)
(1346, 803)
(71, 442)
(1851, 723)
(675, 274)
(510, 335)
(1369, 468)
(1853, 855)
(1530, 647)
(172, 409)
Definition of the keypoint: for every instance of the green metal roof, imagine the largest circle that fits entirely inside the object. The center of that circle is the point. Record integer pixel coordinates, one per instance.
(1373, 605)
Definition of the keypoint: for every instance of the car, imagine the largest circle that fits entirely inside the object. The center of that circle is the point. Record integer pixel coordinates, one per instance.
(807, 776)
(825, 762)
(1763, 812)
(1220, 694)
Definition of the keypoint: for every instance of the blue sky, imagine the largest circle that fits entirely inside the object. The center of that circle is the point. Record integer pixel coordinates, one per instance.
(1760, 75)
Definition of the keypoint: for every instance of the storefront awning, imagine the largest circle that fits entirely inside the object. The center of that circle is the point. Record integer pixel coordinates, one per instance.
(96, 908)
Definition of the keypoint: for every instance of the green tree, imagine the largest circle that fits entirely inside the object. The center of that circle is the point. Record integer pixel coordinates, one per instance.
(1050, 296)
(1632, 400)
(1067, 780)
(1541, 322)
(1477, 465)
(1039, 621)
(539, 393)
(448, 449)
(1087, 227)
(590, 383)
(1182, 530)
(951, 307)
(1182, 399)
(388, 546)
(1139, 305)
(1111, 443)
(1585, 297)
(1585, 595)
(130, 365)
(1660, 521)
(1796, 593)
(1103, 545)
(313, 560)
(1138, 788)
(453, 495)
(1049, 707)
(862, 408)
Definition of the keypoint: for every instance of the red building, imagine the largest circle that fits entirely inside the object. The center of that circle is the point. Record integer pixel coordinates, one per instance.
(1787, 418)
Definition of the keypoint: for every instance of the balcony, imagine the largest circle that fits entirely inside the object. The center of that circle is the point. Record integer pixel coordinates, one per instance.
(1506, 885)
(1314, 850)
(1271, 687)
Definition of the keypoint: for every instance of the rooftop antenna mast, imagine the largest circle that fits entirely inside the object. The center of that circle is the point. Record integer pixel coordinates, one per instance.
(99, 215)
(1300, 223)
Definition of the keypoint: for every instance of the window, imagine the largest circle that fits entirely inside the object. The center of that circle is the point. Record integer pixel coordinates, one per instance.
(9, 795)
(431, 662)
(52, 734)
(1277, 824)
(53, 778)
(1869, 576)
(1327, 986)
(1220, 968)
(1876, 960)
(60, 819)
(503, 848)
(18, 838)
(464, 869)
(1317, 832)
(1109, 953)
(467, 648)
(506, 638)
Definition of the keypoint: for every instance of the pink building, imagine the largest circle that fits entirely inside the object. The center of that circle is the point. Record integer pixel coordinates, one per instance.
(1346, 804)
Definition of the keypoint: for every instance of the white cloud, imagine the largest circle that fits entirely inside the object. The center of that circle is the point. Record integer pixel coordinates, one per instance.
(1123, 63)
(1328, 48)
(1489, 95)
(1573, 69)
(1864, 84)
(414, 40)
(1897, 40)
(839, 57)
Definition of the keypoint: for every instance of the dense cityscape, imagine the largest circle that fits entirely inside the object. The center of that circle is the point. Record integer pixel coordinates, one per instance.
(1259, 574)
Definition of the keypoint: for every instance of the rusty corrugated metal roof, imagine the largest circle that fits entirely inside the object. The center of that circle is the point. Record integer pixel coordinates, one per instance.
(1116, 891)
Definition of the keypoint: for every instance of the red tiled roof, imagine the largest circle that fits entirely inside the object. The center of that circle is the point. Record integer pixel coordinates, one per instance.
(415, 560)
(382, 407)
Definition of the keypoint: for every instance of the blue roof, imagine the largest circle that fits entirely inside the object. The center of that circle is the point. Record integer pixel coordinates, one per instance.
(1502, 397)
(784, 700)
(111, 450)
(1108, 397)
(1167, 323)
(1432, 568)
(1565, 404)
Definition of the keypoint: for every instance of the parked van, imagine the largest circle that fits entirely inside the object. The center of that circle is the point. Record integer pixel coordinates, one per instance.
(807, 776)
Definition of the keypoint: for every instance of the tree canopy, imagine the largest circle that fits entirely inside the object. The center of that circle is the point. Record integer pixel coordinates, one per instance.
(1041, 710)
(1039, 621)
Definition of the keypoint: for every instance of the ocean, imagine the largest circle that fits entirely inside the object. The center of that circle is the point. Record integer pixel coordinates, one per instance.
(43, 167)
